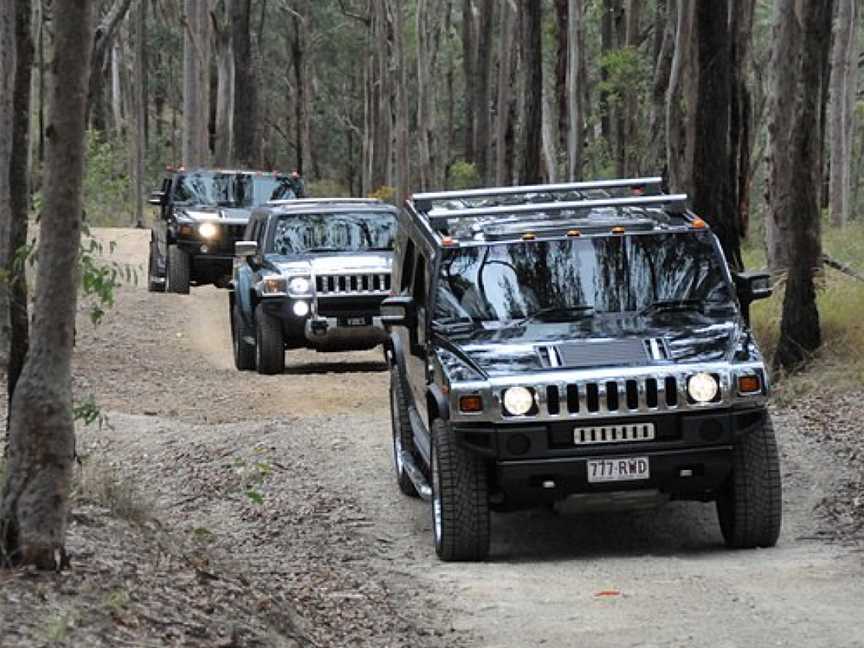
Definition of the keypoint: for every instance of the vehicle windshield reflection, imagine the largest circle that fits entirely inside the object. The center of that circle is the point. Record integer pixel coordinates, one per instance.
(573, 279)
(217, 189)
(333, 232)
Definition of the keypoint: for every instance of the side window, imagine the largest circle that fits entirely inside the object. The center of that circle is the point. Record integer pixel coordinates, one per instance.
(260, 231)
(407, 269)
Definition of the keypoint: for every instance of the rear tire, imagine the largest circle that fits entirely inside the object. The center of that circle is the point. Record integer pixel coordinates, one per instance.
(750, 508)
(269, 345)
(154, 282)
(179, 270)
(460, 502)
(403, 437)
(244, 353)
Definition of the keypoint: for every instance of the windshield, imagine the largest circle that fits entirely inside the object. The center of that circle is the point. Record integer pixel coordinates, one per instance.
(574, 278)
(215, 189)
(333, 232)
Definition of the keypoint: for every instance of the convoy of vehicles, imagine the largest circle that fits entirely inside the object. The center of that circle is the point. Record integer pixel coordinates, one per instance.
(582, 343)
(311, 273)
(202, 213)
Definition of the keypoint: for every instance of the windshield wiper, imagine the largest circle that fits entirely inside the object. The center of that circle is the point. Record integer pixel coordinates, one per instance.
(581, 310)
(454, 326)
(324, 249)
(681, 304)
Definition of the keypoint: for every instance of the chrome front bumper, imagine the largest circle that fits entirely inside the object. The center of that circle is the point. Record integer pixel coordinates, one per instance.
(328, 332)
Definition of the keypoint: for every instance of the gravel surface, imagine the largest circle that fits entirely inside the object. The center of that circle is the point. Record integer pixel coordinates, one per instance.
(269, 516)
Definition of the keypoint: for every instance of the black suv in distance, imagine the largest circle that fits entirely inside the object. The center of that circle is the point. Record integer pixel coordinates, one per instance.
(311, 273)
(202, 213)
(583, 342)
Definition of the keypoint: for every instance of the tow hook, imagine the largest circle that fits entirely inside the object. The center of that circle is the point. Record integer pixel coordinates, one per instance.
(319, 328)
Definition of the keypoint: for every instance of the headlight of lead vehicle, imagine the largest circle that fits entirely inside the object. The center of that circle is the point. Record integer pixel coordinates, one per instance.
(518, 400)
(208, 230)
(702, 387)
(299, 286)
(272, 285)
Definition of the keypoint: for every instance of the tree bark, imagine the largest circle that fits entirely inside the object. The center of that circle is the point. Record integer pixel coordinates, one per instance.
(576, 81)
(632, 129)
(245, 123)
(794, 169)
(741, 126)
(103, 39)
(562, 53)
(677, 149)
(8, 56)
(33, 513)
(468, 68)
(196, 84)
(403, 165)
(844, 88)
(139, 109)
(532, 130)
(222, 37)
(483, 152)
(714, 190)
(504, 122)
(656, 152)
(19, 178)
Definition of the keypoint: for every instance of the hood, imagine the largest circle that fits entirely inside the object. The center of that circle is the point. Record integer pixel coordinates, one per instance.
(602, 340)
(233, 215)
(334, 263)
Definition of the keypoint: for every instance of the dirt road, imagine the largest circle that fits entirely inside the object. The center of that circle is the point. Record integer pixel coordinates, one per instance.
(355, 558)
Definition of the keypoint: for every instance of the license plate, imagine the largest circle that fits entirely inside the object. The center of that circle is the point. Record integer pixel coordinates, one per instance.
(618, 469)
(356, 321)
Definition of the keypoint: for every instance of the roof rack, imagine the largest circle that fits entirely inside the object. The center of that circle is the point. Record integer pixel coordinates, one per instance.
(676, 201)
(651, 186)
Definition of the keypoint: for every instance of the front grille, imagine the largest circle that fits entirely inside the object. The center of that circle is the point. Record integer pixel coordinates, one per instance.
(353, 284)
(632, 395)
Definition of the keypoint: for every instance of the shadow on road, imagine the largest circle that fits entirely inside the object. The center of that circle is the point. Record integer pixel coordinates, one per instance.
(313, 368)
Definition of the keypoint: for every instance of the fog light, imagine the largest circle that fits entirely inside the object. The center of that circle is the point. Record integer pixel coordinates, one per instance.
(471, 404)
(518, 444)
(208, 230)
(749, 385)
(301, 308)
(702, 388)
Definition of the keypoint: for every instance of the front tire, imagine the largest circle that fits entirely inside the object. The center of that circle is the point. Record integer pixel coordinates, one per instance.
(179, 270)
(269, 345)
(244, 353)
(403, 438)
(155, 283)
(460, 502)
(750, 507)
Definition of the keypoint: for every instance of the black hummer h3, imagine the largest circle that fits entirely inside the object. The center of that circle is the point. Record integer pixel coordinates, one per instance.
(202, 213)
(311, 273)
(583, 342)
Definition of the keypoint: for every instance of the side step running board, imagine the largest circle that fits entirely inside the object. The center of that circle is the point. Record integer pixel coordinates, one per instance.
(416, 476)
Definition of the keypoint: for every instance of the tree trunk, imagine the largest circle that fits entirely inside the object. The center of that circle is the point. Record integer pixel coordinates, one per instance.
(532, 130)
(225, 85)
(19, 177)
(714, 190)
(607, 44)
(116, 91)
(562, 38)
(576, 81)
(196, 84)
(482, 151)
(8, 56)
(632, 128)
(33, 514)
(794, 168)
(844, 88)
(103, 39)
(139, 109)
(468, 67)
(403, 166)
(677, 149)
(741, 126)
(504, 122)
(656, 153)
(245, 123)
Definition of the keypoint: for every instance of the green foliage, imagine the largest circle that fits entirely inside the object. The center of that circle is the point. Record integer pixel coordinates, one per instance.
(107, 185)
(464, 175)
(626, 70)
(251, 476)
(99, 278)
(327, 188)
(88, 411)
(385, 193)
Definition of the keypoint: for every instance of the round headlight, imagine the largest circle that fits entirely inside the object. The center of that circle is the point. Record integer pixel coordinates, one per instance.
(301, 309)
(702, 387)
(208, 230)
(518, 400)
(299, 286)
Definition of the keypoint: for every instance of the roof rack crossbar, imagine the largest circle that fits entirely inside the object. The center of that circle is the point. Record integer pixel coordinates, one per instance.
(636, 201)
(548, 188)
(307, 201)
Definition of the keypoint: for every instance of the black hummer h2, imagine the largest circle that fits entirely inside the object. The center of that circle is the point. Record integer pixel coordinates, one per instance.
(311, 273)
(583, 342)
(202, 213)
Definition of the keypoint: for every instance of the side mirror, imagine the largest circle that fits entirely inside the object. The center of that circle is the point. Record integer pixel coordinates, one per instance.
(156, 198)
(246, 248)
(752, 286)
(399, 311)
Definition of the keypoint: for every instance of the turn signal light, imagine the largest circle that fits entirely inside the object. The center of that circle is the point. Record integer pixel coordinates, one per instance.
(618, 230)
(471, 404)
(574, 233)
(698, 223)
(529, 236)
(749, 384)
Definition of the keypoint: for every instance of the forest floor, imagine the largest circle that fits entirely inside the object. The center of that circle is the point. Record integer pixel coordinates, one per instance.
(219, 508)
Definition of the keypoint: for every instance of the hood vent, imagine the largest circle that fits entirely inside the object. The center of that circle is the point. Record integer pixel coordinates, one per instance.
(594, 354)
